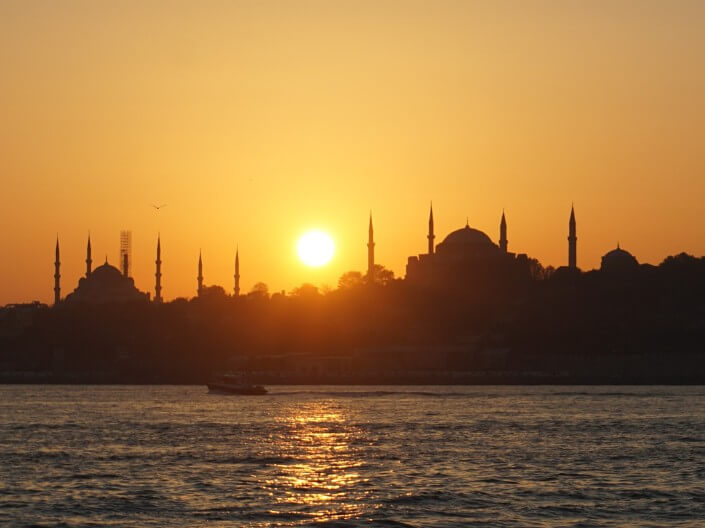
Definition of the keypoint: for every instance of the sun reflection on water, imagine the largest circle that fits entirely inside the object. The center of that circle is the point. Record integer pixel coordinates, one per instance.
(324, 482)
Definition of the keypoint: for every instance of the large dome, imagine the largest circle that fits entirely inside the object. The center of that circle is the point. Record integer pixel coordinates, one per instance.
(467, 242)
(106, 272)
(106, 284)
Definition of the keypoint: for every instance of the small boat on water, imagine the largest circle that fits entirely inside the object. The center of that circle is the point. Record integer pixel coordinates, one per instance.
(234, 384)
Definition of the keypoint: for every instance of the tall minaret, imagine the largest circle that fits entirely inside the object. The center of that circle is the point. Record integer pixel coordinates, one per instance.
(370, 253)
(158, 274)
(57, 275)
(430, 235)
(503, 242)
(236, 290)
(200, 274)
(572, 241)
(89, 260)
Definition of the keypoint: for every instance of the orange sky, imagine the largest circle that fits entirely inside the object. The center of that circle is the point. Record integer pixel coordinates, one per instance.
(256, 120)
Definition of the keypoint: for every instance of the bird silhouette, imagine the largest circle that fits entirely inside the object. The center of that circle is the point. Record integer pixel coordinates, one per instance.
(157, 207)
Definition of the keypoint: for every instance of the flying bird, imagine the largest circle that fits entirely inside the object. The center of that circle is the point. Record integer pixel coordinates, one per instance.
(157, 207)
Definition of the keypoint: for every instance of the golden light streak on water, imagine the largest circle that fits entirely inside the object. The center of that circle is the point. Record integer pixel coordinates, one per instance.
(320, 433)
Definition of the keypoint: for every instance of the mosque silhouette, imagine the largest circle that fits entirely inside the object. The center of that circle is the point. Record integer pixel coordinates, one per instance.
(466, 257)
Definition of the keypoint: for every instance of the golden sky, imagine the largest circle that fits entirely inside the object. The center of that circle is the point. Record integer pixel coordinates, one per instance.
(255, 121)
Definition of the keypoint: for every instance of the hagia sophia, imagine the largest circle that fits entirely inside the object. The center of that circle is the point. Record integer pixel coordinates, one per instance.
(465, 256)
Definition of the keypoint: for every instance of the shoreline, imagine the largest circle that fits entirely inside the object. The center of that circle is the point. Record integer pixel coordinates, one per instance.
(475, 381)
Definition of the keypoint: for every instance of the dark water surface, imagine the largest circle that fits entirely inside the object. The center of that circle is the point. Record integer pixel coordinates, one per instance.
(352, 456)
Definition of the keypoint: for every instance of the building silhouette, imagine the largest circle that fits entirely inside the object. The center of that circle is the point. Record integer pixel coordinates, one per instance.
(199, 290)
(431, 235)
(89, 260)
(618, 262)
(467, 257)
(158, 273)
(370, 253)
(57, 275)
(503, 242)
(106, 284)
(236, 288)
(126, 251)
(572, 241)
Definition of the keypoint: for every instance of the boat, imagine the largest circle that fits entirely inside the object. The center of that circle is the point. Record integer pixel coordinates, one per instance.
(234, 384)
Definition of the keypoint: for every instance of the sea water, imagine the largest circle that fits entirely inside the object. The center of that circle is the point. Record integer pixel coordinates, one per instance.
(352, 456)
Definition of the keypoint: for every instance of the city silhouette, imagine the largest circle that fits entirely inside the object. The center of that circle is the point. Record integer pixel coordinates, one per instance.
(468, 310)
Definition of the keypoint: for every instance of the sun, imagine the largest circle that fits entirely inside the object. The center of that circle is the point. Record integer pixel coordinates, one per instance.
(315, 248)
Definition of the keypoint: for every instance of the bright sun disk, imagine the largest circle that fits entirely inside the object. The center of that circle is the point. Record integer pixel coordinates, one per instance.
(315, 248)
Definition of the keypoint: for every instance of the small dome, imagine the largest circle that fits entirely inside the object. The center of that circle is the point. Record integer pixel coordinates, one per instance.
(618, 260)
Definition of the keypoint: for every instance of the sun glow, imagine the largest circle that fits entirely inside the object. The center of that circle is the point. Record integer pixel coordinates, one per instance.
(315, 248)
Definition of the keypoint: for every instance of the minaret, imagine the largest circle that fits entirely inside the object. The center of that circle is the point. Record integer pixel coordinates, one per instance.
(57, 275)
(236, 290)
(125, 264)
(572, 241)
(503, 242)
(158, 274)
(430, 235)
(89, 260)
(370, 253)
(200, 274)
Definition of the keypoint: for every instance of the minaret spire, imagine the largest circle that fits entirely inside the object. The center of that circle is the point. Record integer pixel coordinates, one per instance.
(370, 253)
(236, 290)
(89, 260)
(158, 274)
(431, 236)
(503, 242)
(572, 241)
(57, 275)
(200, 274)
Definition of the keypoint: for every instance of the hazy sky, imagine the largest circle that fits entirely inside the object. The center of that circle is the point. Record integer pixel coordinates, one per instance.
(256, 120)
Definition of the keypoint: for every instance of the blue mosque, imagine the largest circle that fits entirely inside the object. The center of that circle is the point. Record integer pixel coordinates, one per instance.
(107, 283)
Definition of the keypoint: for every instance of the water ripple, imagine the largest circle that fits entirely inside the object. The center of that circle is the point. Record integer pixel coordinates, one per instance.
(352, 456)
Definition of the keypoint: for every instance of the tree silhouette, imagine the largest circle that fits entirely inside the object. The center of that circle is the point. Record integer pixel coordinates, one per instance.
(259, 291)
(350, 279)
(214, 292)
(383, 275)
(306, 290)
